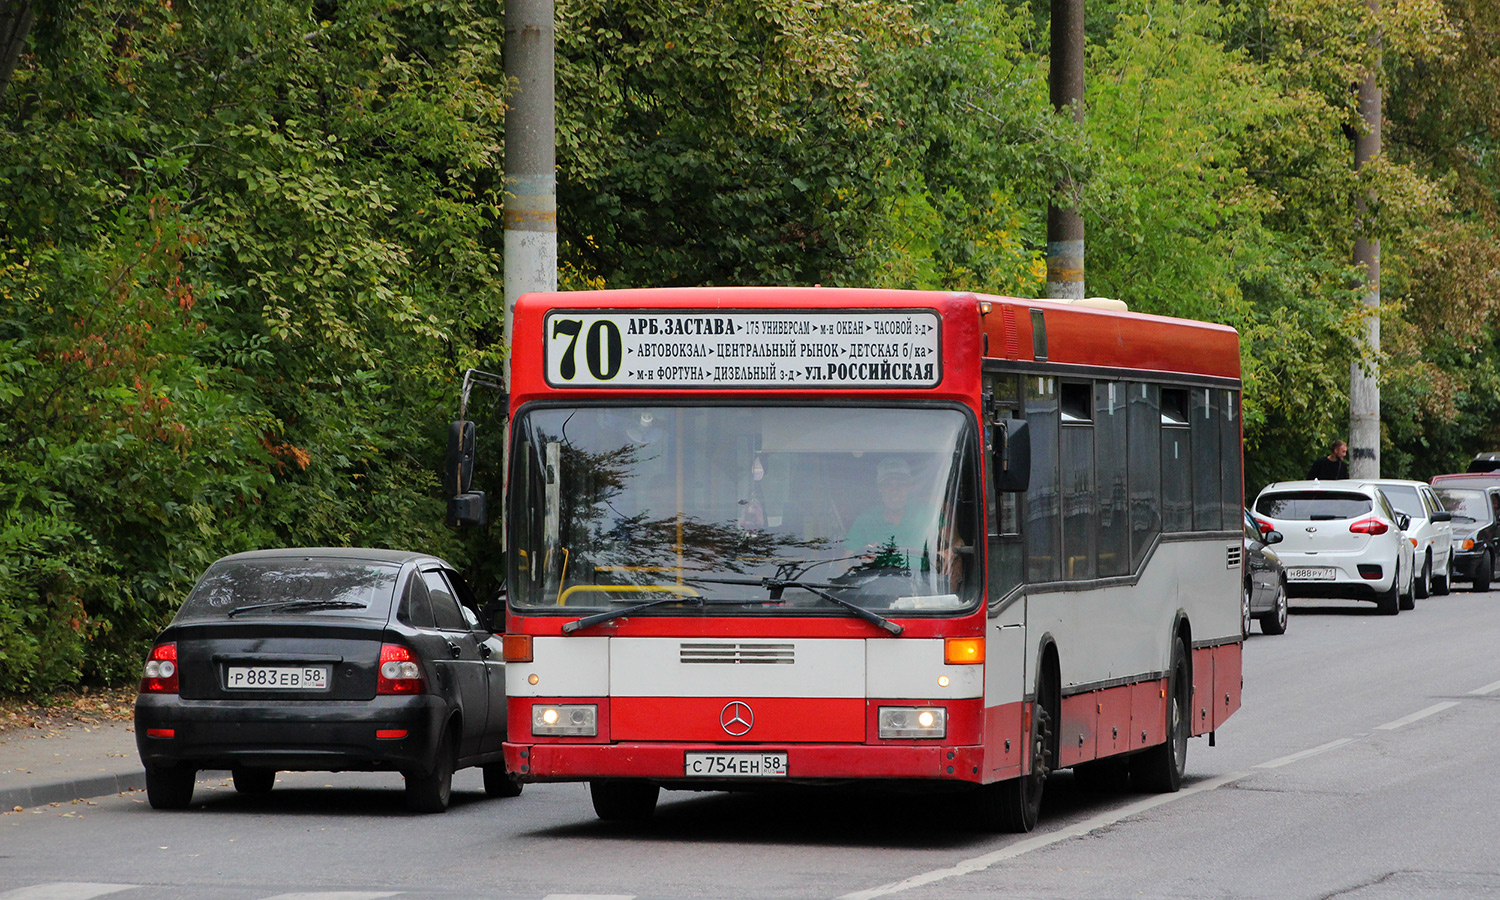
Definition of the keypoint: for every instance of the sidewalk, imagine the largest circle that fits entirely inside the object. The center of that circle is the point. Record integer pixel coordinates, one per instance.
(66, 763)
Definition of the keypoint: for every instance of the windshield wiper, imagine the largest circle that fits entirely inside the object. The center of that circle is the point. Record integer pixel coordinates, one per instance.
(596, 618)
(777, 585)
(297, 606)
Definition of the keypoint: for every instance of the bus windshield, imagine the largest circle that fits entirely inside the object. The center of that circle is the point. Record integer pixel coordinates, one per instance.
(746, 508)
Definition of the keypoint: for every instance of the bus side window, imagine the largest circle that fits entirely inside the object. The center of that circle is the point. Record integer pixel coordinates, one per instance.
(1006, 557)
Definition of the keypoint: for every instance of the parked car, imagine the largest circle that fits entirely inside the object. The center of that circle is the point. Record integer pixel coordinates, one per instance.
(1340, 539)
(1475, 511)
(325, 660)
(1430, 533)
(1485, 462)
(1264, 591)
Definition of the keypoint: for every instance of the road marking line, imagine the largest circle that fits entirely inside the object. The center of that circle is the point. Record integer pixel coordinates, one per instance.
(335, 895)
(1420, 714)
(1295, 757)
(589, 897)
(65, 890)
(1487, 689)
(1102, 820)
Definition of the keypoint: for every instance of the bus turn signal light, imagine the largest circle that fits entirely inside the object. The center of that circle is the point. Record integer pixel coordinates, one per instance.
(963, 651)
(517, 647)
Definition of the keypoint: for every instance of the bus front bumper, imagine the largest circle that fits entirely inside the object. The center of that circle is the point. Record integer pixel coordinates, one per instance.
(667, 763)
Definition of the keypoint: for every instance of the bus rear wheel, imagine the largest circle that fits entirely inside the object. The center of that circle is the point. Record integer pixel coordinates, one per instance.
(1160, 769)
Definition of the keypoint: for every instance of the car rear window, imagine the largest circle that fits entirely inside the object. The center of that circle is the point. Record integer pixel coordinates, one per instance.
(1311, 506)
(1405, 498)
(293, 586)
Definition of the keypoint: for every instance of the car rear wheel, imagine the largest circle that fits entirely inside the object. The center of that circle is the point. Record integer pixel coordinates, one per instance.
(430, 791)
(255, 782)
(1245, 610)
(1423, 586)
(1274, 622)
(170, 787)
(1484, 573)
(498, 782)
(624, 801)
(1388, 603)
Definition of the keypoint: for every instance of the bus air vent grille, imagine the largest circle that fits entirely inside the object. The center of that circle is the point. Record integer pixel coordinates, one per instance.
(1233, 556)
(736, 654)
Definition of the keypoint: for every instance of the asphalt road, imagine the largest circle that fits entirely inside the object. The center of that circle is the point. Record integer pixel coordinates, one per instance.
(1361, 766)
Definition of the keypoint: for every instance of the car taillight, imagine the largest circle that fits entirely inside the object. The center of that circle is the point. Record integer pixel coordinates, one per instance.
(1369, 526)
(400, 672)
(160, 675)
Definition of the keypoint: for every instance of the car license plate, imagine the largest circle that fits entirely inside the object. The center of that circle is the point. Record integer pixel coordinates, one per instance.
(277, 678)
(1311, 573)
(735, 765)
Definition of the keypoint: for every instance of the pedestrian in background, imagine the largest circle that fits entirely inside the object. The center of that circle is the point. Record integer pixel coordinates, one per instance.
(1327, 468)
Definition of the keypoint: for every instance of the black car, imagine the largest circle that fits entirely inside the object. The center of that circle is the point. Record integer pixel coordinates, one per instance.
(324, 660)
(1264, 589)
(1475, 506)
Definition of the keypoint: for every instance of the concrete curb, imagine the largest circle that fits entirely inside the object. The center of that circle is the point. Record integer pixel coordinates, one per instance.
(71, 789)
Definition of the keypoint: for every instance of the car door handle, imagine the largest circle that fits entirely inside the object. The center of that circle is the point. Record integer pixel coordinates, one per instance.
(485, 651)
(456, 650)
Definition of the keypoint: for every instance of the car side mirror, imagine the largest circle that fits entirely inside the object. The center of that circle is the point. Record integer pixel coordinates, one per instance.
(1442, 516)
(1403, 521)
(1272, 537)
(471, 618)
(1010, 441)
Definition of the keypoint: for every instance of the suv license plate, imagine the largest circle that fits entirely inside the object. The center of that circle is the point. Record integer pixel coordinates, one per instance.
(735, 765)
(277, 678)
(1311, 573)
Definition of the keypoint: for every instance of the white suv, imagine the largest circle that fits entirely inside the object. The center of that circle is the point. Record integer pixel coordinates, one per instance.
(1340, 539)
(1430, 533)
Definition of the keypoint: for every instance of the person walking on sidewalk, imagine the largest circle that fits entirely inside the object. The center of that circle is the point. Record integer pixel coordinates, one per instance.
(1332, 466)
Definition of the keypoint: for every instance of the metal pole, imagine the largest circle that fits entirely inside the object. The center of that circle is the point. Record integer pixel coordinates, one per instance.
(1364, 373)
(530, 158)
(1065, 250)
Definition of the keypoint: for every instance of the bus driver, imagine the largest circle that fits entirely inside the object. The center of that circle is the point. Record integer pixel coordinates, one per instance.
(902, 525)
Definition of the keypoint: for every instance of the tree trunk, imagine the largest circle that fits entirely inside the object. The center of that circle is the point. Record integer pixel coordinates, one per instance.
(16, 18)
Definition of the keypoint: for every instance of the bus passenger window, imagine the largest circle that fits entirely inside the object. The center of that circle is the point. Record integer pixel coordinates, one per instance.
(1176, 461)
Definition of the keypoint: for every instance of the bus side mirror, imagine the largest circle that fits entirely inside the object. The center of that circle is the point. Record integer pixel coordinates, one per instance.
(1011, 442)
(465, 507)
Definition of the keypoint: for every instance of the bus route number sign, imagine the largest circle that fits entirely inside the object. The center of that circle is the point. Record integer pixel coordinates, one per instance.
(743, 348)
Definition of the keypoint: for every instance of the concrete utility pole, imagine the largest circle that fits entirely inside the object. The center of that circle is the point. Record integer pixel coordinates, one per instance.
(530, 158)
(1364, 374)
(1065, 224)
(16, 19)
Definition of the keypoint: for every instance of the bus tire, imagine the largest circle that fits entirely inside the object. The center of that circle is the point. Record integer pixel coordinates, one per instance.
(1014, 805)
(498, 782)
(624, 800)
(1160, 768)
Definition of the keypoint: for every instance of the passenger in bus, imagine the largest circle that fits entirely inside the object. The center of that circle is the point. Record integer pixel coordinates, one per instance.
(899, 524)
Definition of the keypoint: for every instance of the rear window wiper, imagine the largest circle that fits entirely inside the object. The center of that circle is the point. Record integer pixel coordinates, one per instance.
(298, 606)
(597, 618)
(777, 585)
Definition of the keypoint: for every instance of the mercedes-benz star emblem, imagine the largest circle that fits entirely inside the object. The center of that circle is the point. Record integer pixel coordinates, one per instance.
(737, 718)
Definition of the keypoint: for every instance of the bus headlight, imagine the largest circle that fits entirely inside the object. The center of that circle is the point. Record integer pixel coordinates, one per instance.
(913, 721)
(579, 721)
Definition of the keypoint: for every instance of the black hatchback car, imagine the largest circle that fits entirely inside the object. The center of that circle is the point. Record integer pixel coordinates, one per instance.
(326, 660)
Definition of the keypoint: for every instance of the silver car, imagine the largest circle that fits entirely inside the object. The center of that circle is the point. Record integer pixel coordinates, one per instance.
(1341, 539)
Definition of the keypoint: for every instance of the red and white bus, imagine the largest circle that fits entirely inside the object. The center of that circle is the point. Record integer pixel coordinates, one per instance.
(832, 535)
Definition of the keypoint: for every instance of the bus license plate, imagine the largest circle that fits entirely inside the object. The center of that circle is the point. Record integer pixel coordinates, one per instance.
(1310, 573)
(735, 765)
(277, 678)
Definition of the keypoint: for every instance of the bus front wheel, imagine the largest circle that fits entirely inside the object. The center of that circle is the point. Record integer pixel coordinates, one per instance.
(624, 801)
(1014, 805)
